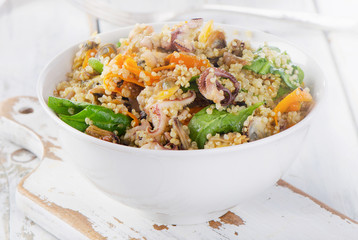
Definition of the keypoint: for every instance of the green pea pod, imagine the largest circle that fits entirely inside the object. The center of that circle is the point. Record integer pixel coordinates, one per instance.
(96, 65)
(101, 117)
(64, 106)
(203, 123)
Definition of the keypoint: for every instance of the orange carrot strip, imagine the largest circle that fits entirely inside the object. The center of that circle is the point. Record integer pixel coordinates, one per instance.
(88, 56)
(118, 60)
(167, 67)
(135, 119)
(128, 78)
(189, 61)
(132, 66)
(296, 96)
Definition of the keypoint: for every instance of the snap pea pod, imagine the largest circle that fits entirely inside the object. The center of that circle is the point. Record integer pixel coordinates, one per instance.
(96, 65)
(203, 123)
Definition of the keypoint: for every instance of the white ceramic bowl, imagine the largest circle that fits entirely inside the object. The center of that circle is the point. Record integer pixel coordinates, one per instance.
(182, 187)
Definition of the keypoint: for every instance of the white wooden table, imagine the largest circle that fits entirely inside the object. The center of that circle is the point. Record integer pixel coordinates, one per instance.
(32, 32)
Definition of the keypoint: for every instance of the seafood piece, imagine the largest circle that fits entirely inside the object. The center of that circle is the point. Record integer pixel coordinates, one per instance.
(159, 118)
(102, 134)
(229, 58)
(257, 129)
(183, 136)
(237, 47)
(182, 38)
(211, 88)
(106, 50)
(216, 39)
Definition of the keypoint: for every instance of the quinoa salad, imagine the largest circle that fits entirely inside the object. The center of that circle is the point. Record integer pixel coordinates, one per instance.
(184, 88)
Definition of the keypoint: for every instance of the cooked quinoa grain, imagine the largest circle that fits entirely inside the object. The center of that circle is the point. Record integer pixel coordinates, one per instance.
(184, 88)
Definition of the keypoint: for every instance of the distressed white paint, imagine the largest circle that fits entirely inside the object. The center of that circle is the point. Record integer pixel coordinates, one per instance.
(277, 214)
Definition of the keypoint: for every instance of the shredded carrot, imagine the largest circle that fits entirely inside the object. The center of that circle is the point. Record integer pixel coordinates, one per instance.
(167, 67)
(131, 115)
(132, 66)
(127, 62)
(294, 98)
(88, 56)
(128, 78)
(118, 60)
(189, 61)
(135, 119)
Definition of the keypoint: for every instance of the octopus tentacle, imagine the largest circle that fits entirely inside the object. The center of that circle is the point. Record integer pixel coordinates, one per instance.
(180, 36)
(212, 89)
(156, 111)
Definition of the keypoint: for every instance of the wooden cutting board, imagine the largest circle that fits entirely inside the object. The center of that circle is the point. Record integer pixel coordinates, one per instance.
(64, 203)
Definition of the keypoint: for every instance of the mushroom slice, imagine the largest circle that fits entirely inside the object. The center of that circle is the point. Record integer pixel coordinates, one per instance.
(97, 91)
(105, 135)
(183, 136)
(211, 88)
(216, 39)
(106, 50)
(90, 44)
(229, 58)
(256, 129)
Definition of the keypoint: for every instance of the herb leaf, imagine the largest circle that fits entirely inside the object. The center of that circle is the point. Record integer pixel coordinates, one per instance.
(259, 65)
(82, 113)
(283, 90)
(193, 85)
(64, 106)
(218, 122)
(101, 117)
(264, 66)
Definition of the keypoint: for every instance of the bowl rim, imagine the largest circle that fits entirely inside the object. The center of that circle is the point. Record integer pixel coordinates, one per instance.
(129, 149)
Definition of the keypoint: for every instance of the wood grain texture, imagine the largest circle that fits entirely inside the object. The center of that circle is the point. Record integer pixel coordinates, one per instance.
(283, 211)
